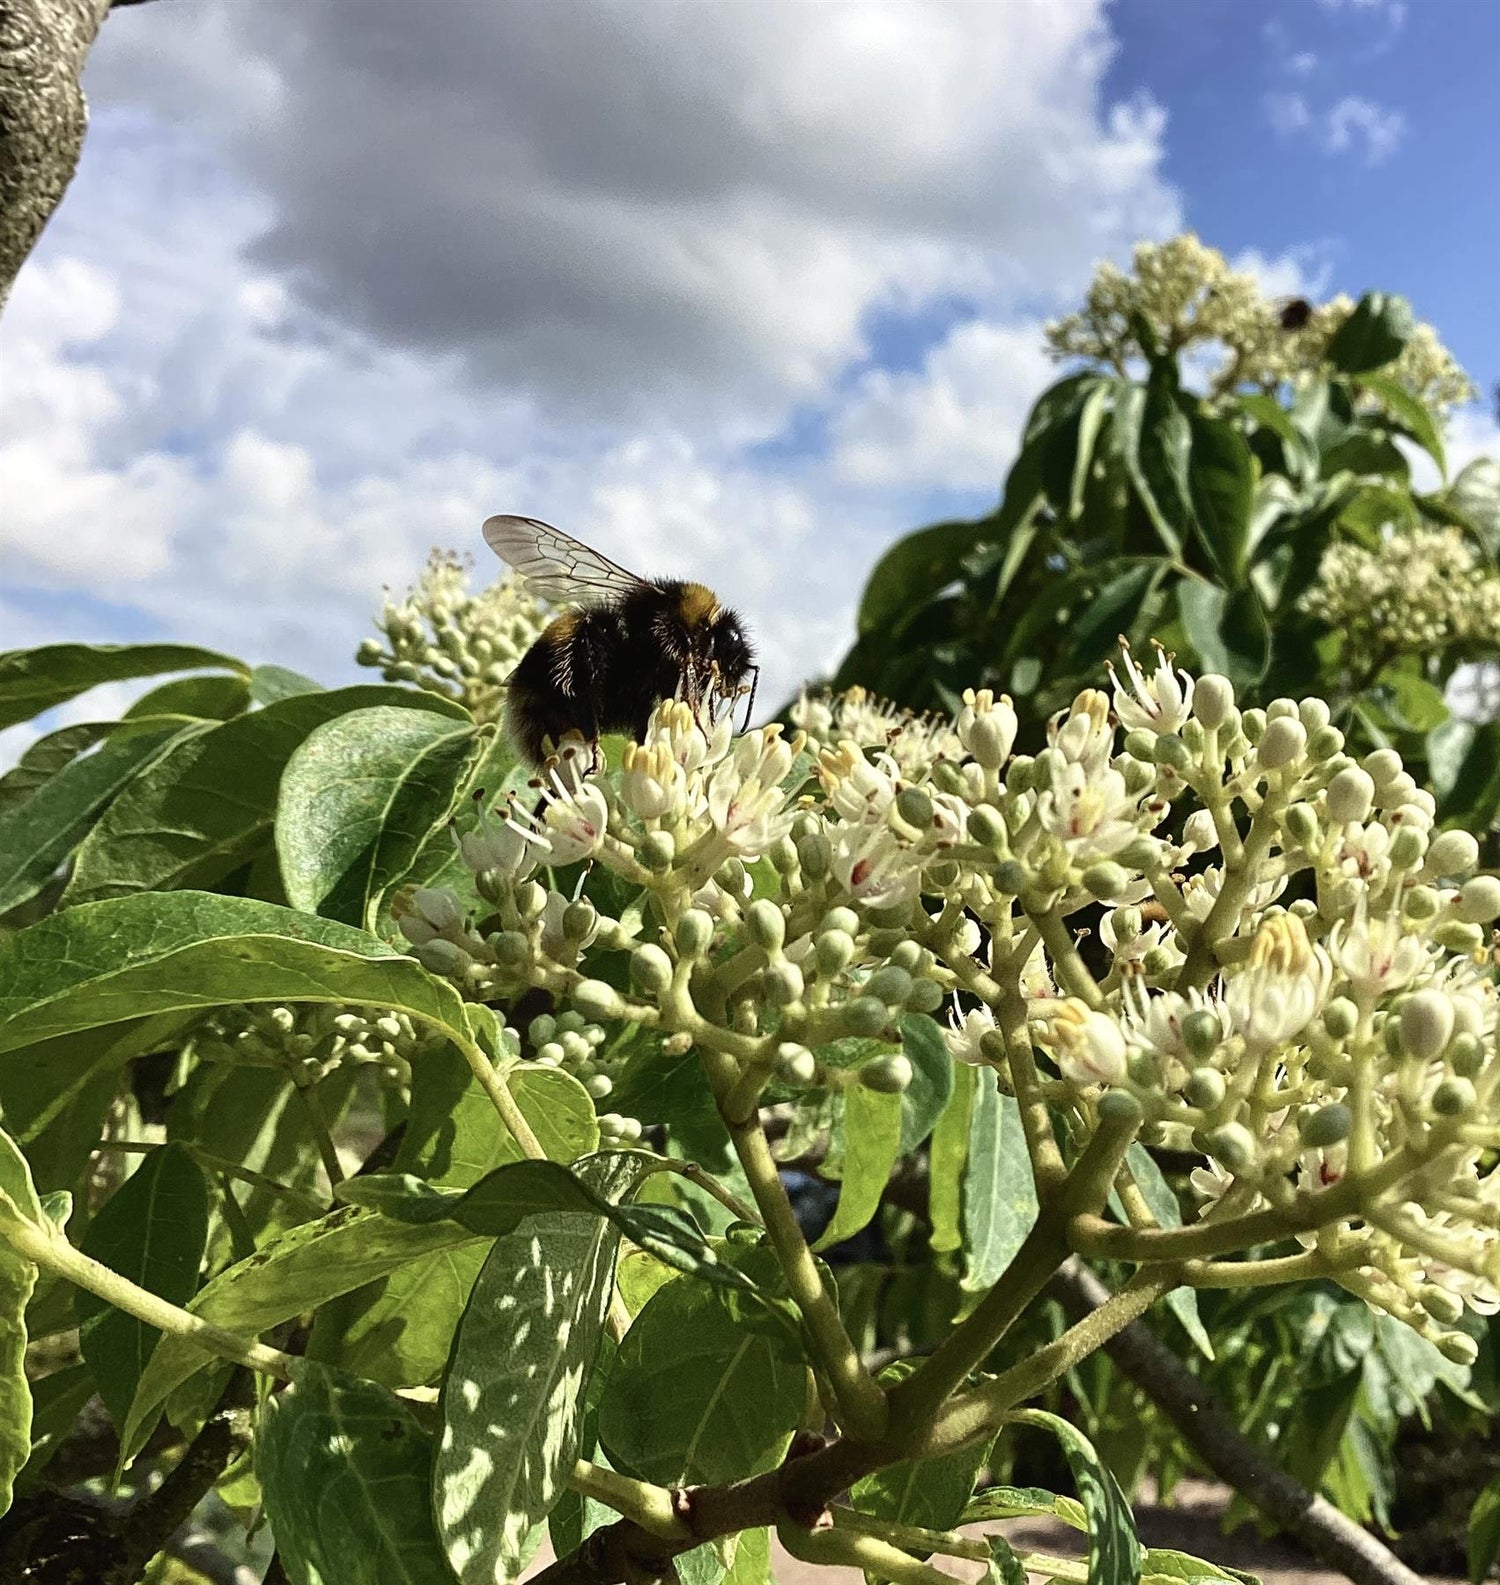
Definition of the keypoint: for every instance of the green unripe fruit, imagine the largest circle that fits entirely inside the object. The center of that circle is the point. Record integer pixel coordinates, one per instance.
(887, 1075)
(1233, 1144)
(1452, 852)
(844, 919)
(694, 933)
(1479, 900)
(1454, 1097)
(1201, 1033)
(915, 807)
(1351, 795)
(1213, 700)
(795, 1064)
(1440, 1304)
(815, 854)
(510, 947)
(1141, 744)
(541, 1028)
(926, 996)
(531, 900)
(1106, 879)
(580, 919)
(1325, 1126)
(1120, 1107)
(1426, 1024)
(986, 826)
(1205, 1089)
(650, 969)
(833, 952)
(865, 1016)
(1466, 1055)
(658, 851)
(784, 984)
(890, 985)
(596, 1000)
(765, 924)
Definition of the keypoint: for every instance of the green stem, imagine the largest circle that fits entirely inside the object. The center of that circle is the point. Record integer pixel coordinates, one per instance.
(706, 1181)
(492, 1081)
(1202, 962)
(56, 1254)
(1047, 1165)
(649, 1506)
(1072, 972)
(911, 1536)
(327, 1150)
(1263, 1273)
(847, 1548)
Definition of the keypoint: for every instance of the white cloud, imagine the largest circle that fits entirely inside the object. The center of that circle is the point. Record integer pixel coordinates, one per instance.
(1352, 126)
(1288, 112)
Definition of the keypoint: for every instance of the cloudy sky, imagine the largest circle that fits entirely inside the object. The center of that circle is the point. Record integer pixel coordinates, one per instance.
(734, 290)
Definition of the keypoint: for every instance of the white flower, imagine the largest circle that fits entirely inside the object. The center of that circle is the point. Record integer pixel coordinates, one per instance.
(857, 788)
(1375, 954)
(964, 1034)
(1285, 982)
(1201, 891)
(1084, 734)
(814, 714)
(573, 822)
(653, 783)
(1155, 1022)
(986, 727)
(745, 798)
(874, 867)
(1089, 1046)
(1210, 1180)
(1093, 816)
(1160, 703)
(1363, 853)
(674, 728)
(500, 844)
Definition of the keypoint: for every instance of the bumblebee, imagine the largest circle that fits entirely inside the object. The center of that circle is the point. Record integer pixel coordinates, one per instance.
(626, 644)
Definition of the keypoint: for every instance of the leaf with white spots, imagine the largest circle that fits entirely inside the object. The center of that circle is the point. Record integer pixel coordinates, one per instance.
(513, 1398)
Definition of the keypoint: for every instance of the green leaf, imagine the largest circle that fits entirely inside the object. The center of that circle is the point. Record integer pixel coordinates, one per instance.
(948, 1158)
(1091, 416)
(1229, 631)
(1154, 441)
(359, 799)
(1221, 478)
(1005, 1567)
(1158, 1195)
(130, 957)
(207, 805)
(932, 1079)
(33, 680)
(270, 683)
(1414, 704)
(1413, 416)
(37, 834)
(1475, 495)
(1373, 335)
(506, 1197)
(399, 1330)
(512, 1403)
(345, 1467)
(1484, 1533)
(872, 1142)
(1163, 1564)
(1024, 1502)
(1268, 413)
(153, 1230)
(1473, 799)
(56, 1402)
(18, 1199)
(1000, 1204)
(214, 697)
(293, 1273)
(911, 572)
(1114, 1551)
(702, 1391)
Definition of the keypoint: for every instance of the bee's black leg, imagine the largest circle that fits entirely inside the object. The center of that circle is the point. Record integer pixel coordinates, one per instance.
(750, 705)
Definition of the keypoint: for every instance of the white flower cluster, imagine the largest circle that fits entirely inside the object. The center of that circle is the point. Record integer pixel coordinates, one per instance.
(1191, 297)
(309, 1040)
(1210, 917)
(449, 641)
(1423, 591)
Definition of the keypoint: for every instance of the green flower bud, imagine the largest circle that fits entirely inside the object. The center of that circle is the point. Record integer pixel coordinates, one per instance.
(795, 1064)
(1458, 1348)
(1408, 846)
(906, 955)
(1143, 1068)
(1459, 936)
(1351, 794)
(658, 851)
(1138, 776)
(1201, 1033)
(369, 652)
(1454, 1097)
(1171, 750)
(571, 1022)
(598, 1086)
(1139, 853)
(784, 859)
(1126, 924)
(577, 1051)
(1253, 725)
(1301, 822)
(1384, 765)
(551, 1054)
(914, 805)
(1141, 744)
(1426, 1024)
(992, 1047)
(511, 948)
(1213, 700)
(1193, 735)
(580, 919)
(1282, 709)
(1326, 744)
(947, 777)
(695, 932)
(594, 999)
(1021, 776)
(1440, 1304)
(1324, 1125)
(844, 919)
(765, 924)
(1205, 1089)
(1283, 743)
(1313, 714)
(650, 969)
(891, 985)
(986, 826)
(731, 876)
(541, 1028)
(926, 996)
(865, 1016)
(1479, 900)
(1390, 1036)
(1106, 879)
(815, 853)
(1421, 903)
(1233, 1144)
(1119, 1106)
(1452, 852)
(1010, 878)
(887, 1075)
(531, 900)
(833, 952)
(784, 983)
(1466, 1055)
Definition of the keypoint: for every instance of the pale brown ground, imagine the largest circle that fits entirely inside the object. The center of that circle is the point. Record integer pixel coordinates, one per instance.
(1191, 1525)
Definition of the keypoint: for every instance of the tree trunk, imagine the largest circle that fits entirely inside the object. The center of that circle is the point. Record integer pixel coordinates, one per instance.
(43, 114)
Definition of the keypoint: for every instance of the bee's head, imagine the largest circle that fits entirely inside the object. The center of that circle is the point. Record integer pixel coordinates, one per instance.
(720, 660)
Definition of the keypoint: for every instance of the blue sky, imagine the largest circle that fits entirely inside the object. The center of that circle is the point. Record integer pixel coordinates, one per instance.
(739, 290)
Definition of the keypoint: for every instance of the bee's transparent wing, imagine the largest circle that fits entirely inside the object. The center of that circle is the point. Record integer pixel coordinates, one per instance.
(554, 565)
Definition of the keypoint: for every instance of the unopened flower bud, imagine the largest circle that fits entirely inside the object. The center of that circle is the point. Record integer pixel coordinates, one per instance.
(1313, 714)
(815, 853)
(1201, 1033)
(1141, 744)
(1171, 750)
(1010, 878)
(1459, 936)
(1301, 822)
(531, 900)
(1466, 1055)
(844, 919)
(1106, 879)
(1119, 1106)
(784, 858)
(439, 907)
(1452, 852)
(1233, 1144)
(511, 948)
(731, 876)
(914, 805)
(1384, 765)
(1323, 1126)
(1426, 1024)
(1139, 853)
(925, 996)
(833, 952)
(658, 850)
(986, 826)
(765, 924)
(907, 955)
(1458, 1348)
(551, 1054)
(1253, 725)
(1282, 709)
(865, 1016)
(1213, 700)
(441, 957)
(1325, 744)
(784, 984)
(1126, 924)
(598, 1085)
(596, 1000)
(1205, 1089)
(1283, 742)
(1021, 777)
(580, 920)
(1420, 904)
(1454, 1097)
(892, 985)
(1199, 831)
(890, 1075)
(677, 1045)
(1408, 846)
(795, 1064)
(694, 933)
(1350, 795)
(1440, 1304)
(650, 969)
(1479, 900)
